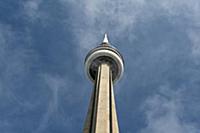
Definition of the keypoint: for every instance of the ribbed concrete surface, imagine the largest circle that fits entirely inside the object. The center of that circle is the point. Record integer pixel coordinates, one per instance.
(101, 117)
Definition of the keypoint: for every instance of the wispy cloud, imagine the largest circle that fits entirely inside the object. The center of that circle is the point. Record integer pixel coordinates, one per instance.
(195, 40)
(31, 9)
(54, 83)
(118, 17)
(56, 86)
(17, 59)
(16, 56)
(84, 23)
(164, 112)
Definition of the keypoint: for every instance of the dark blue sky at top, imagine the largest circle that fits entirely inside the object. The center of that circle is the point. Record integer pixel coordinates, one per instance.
(43, 43)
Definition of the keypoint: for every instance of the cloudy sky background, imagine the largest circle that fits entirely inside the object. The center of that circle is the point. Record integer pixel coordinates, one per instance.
(43, 43)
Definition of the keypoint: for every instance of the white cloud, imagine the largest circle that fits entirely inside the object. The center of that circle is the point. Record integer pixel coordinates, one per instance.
(194, 36)
(164, 111)
(56, 85)
(101, 15)
(31, 7)
(32, 10)
(188, 9)
(10, 57)
(16, 59)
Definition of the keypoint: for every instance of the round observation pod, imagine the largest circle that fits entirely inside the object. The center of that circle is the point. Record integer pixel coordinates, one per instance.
(104, 54)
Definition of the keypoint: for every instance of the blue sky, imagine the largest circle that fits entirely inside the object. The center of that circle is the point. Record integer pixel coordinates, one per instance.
(43, 43)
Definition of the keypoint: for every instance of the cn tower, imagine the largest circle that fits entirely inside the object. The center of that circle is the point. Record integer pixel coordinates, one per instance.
(104, 66)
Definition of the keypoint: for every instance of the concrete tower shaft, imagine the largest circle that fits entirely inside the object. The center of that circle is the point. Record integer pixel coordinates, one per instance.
(102, 116)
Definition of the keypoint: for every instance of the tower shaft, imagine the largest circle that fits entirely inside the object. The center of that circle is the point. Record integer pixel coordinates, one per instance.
(102, 117)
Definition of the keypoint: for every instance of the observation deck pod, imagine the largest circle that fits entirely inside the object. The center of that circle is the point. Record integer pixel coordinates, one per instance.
(105, 53)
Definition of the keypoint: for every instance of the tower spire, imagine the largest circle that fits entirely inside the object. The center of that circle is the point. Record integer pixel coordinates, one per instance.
(105, 40)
